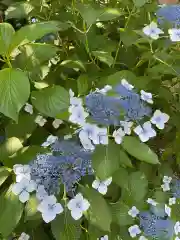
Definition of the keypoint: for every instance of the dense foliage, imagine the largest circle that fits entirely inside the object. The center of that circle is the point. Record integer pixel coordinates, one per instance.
(89, 115)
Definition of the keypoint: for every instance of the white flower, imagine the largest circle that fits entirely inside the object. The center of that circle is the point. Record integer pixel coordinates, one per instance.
(147, 97)
(56, 123)
(143, 238)
(24, 236)
(104, 238)
(177, 228)
(101, 136)
(104, 90)
(126, 127)
(118, 135)
(101, 186)
(167, 210)
(159, 119)
(49, 208)
(172, 201)
(125, 83)
(167, 179)
(50, 140)
(174, 34)
(165, 187)
(176, 238)
(41, 193)
(22, 171)
(134, 230)
(28, 108)
(23, 188)
(74, 101)
(152, 30)
(78, 115)
(133, 212)
(145, 132)
(85, 141)
(77, 206)
(40, 120)
(71, 93)
(151, 201)
(91, 130)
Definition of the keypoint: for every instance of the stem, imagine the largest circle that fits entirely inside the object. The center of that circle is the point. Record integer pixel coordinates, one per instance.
(117, 52)
(161, 61)
(126, 24)
(7, 60)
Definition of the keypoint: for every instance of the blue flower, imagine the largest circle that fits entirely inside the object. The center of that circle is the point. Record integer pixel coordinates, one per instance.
(156, 226)
(175, 188)
(67, 164)
(103, 109)
(134, 108)
(45, 170)
(170, 13)
(108, 110)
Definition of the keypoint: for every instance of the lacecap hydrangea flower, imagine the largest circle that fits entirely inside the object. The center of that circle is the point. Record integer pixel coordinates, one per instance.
(156, 224)
(67, 163)
(109, 110)
(169, 13)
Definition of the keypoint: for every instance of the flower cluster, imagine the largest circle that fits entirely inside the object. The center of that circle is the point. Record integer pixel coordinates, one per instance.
(66, 164)
(156, 223)
(69, 159)
(48, 205)
(169, 13)
(153, 32)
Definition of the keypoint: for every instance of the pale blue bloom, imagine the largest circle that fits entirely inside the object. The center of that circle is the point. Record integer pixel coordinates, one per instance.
(169, 13)
(67, 164)
(103, 109)
(124, 105)
(156, 224)
(175, 188)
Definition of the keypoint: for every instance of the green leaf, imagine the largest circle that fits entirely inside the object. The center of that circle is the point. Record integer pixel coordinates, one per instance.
(64, 227)
(120, 214)
(23, 129)
(128, 37)
(14, 91)
(115, 78)
(34, 54)
(38, 232)
(76, 64)
(105, 160)
(33, 32)
(138, 185)
(99, 213)
(104, 57)
(124, 159)
(31, 212)
(11, 210)
(6, 34)
(139, 150)
(110, 14)
(4, 174)
(120, 177)
(24, 155)
(82, 84)
(18, 10)
(88, 13)
(51, 101)
(140, 3)
(11, 146)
